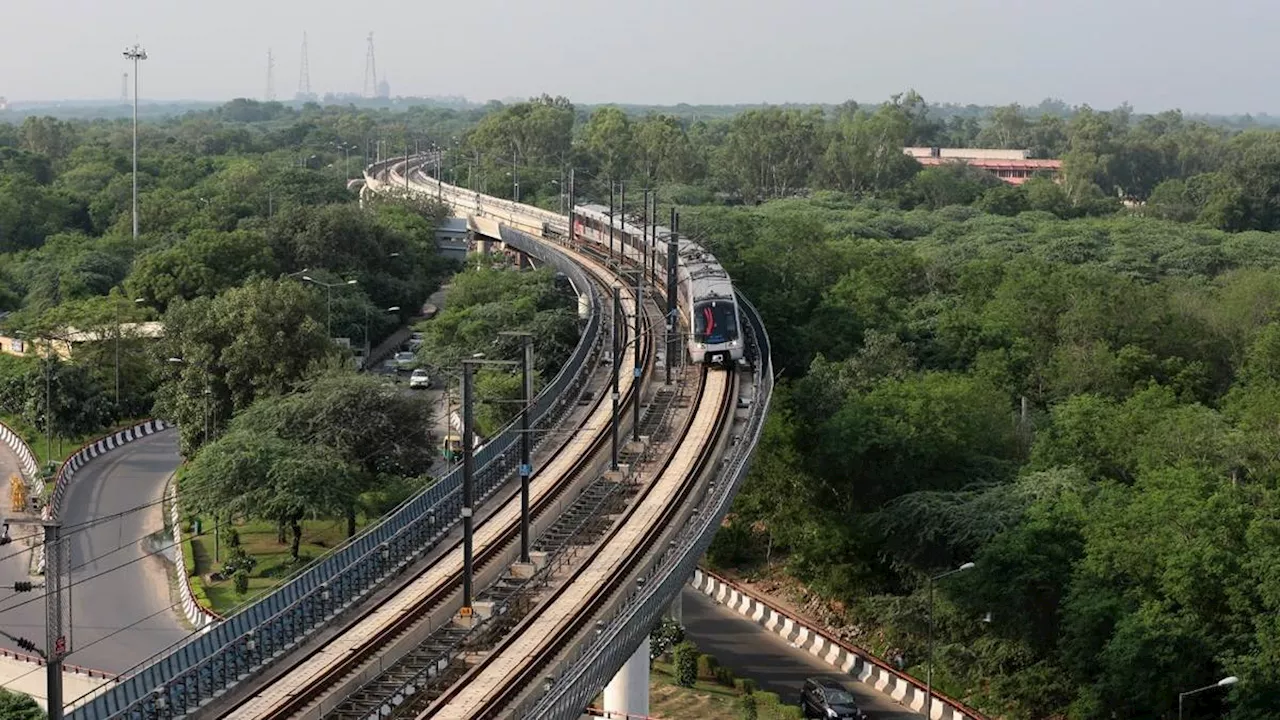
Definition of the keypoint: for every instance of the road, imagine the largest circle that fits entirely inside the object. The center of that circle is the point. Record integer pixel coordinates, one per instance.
(133, 588)
(751, 651)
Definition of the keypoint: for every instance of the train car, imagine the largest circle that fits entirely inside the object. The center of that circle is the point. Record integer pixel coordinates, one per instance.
(704, 290)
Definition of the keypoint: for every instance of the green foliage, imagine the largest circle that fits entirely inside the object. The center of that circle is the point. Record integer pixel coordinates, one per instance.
(241, 579)
(747, 707)
(15, 706)
(685, 662)
(666, 636)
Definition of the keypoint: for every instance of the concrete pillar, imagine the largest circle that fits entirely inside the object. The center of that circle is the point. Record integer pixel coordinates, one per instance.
(628, 692)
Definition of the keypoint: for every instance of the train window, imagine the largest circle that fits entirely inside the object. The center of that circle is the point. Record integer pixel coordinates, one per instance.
(715, 322)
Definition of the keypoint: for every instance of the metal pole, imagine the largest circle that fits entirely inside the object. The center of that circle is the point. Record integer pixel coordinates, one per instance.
(611, 220)
(571, 236)
(135, 146)
(673, 241)
(639, 361)
(117, 356)
(48, 401)
(328, 313)
(55, 642)
(526, 463)
(617, 361)
(468, 480)
(928, 683)
(1180, 696)
(644, 233)
(622, 224)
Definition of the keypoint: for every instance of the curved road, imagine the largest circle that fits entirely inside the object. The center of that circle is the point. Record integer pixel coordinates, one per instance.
(751, 651)
(133, 588)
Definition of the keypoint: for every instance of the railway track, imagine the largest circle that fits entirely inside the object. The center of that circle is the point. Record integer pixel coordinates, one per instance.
(404, 612)
(516, 664)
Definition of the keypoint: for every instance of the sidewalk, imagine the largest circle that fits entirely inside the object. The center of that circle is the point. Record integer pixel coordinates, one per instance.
(29, 679)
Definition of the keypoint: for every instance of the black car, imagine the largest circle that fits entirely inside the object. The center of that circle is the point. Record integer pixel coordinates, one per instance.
(825, 698)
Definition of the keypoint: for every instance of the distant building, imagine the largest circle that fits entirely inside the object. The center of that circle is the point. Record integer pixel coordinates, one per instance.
(384, 89)
(63, 344)
(4, 104)
(1011, 166)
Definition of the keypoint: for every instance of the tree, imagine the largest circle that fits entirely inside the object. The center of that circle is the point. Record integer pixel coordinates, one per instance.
(608, 138)
(14, 706)
(248, 342)
(246, 473)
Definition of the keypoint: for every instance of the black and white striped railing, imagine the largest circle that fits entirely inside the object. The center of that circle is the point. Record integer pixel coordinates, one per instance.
(87, 452)
(26, 458)
(845, 658)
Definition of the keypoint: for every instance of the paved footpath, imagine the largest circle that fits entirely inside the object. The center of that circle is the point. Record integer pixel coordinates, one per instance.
(29, 679)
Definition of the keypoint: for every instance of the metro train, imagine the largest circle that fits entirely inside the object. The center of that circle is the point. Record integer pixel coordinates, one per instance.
(704, 289)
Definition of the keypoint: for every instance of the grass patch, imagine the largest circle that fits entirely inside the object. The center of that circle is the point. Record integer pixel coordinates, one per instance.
(708, 698)
(259, 540)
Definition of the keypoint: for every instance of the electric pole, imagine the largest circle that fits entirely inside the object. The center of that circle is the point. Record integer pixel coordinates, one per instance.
(136, 54)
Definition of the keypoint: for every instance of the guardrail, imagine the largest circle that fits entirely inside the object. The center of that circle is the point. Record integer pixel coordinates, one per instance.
(840, 655)
(26, 458)
(197, 614)
(202, 666)
(594, 660)
(77, 460)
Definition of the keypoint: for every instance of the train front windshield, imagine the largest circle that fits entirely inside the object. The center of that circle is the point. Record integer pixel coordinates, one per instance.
(715, 322)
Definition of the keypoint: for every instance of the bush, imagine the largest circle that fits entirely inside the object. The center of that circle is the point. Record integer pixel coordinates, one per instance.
(238, 561)
(667, 635)
(724, 676)
(685, 662)
(747, 707)
(242, 582)
(233, 538)
(707, 667)
(791, 712)
(745, 686)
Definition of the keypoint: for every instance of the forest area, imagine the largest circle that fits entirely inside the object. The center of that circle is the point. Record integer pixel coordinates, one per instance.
(1073, 383)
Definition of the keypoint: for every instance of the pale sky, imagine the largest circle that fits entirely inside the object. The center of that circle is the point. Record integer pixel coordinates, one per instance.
(1155, 54)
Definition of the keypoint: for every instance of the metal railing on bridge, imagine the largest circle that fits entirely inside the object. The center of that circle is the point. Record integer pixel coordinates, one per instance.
(206, 664)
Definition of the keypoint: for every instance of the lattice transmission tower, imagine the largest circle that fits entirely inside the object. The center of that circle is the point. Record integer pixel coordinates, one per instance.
(271, 76)
(304, 72)
(370, 72)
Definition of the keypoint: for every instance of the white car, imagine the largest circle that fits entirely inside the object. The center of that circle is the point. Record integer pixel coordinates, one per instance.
(405, 360)
(419, 379)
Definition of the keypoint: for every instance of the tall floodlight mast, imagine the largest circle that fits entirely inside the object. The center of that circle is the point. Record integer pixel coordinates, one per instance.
(136, 54)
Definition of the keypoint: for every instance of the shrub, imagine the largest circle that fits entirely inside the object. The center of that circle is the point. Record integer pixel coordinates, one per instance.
(233, 538)
(667, 635)
(242, 582)
(747, 707)
(685, 661)
(707, 667)
(745, 685)
(724, 676)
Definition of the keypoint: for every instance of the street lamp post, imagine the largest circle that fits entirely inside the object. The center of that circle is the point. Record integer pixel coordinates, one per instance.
(928, 692)
(1224, 682)
(329, 302)
(615, 362)
(136, 54)
(393, 308)
(118, 329)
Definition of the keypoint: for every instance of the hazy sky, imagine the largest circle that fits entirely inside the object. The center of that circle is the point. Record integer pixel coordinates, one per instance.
(1156, 54)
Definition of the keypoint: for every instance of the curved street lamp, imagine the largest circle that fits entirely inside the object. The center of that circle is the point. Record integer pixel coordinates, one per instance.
(928, 692)
(1224, 682)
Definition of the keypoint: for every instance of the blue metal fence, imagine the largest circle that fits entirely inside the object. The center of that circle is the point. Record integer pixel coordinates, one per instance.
(195, 670)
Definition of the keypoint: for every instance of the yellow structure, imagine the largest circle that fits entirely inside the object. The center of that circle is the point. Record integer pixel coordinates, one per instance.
(18, 493)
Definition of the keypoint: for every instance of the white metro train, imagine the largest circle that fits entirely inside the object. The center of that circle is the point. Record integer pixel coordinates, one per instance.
(704, 290)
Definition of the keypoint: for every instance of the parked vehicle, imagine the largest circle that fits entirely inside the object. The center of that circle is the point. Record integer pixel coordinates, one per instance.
(826, 698)
(419, 379)
(415, 341)
(405, 360)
